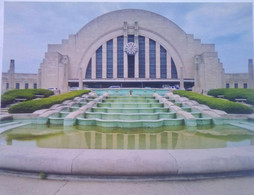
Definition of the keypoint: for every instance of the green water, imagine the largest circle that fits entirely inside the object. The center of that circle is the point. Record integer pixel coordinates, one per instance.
(126, 91)
(93, 137)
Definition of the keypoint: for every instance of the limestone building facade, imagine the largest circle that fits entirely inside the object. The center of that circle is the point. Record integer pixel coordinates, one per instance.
(12, 80)
(131, 48)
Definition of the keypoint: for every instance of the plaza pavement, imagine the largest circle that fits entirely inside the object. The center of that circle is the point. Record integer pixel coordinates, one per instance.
(14, 185)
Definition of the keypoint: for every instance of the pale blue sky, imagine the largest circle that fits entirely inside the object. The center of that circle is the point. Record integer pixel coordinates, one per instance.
(30, 26)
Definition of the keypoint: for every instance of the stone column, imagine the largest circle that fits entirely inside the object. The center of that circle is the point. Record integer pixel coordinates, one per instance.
(168, 66)
(39, 79)
(11, 74)
(80, 78)
(136, 55)
(125, 60)
(197, 84)
(65, 68)
(251, 76)
(181, 78)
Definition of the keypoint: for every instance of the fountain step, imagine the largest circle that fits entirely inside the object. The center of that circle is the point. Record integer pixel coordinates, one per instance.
(7, 124)
(130, 101)
(12, 125)
(132, 116)
(130, 110)
(56, 120)
(131, 123)
(130, 105)
(122, 98)
(246, 125)
(204, 121)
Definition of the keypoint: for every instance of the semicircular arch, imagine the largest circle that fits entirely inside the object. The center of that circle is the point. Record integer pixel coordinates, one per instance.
(91, 49)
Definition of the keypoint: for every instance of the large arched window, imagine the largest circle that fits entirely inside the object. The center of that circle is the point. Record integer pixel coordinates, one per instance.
(152, 58)
(173, 70)
(120, 57)
(89, 70)
(141, 56)
(99, 63)
(163, 62)
(110, 59)
(146, 60)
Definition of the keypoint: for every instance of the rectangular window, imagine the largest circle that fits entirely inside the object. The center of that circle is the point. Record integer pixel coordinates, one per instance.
(245, 85)
(26, 85)
(17, 85)
(35, 85)
(227, 85)
(236, 85)
(7, 85)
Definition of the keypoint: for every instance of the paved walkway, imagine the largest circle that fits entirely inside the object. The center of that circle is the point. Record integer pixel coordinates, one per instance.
(12, 185)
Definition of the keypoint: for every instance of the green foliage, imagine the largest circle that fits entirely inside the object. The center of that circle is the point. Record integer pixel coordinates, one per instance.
(29, 94)
(215, 103)
(43, 175)
(234, 93)
(37, 104)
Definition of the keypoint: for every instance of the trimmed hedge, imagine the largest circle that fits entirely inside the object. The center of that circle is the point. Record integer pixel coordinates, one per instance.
(29, 94)
(234, 93)
(33, 105)
(215, 103)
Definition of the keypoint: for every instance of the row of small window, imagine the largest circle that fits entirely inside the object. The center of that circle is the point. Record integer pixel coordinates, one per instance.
(245, 85)
(17, 86)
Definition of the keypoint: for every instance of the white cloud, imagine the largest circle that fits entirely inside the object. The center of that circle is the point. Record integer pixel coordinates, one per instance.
(212, 20)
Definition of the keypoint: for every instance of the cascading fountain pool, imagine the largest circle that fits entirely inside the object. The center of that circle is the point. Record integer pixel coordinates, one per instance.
(130, 111)
(116, 119)
(118, 133)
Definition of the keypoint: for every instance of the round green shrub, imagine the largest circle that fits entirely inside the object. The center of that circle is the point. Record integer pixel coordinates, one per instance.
(234, 93)
(29, 94)
(37, 104)
(215, 103)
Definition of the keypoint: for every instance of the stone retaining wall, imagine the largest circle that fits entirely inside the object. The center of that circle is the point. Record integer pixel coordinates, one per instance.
(127, 162)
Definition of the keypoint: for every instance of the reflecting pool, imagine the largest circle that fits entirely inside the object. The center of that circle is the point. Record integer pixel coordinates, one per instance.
(94, 137)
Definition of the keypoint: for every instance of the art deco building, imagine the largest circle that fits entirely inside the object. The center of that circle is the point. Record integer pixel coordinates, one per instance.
(131, 48)
(135, 48)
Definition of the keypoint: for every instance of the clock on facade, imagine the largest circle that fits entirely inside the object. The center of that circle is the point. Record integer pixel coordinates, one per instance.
(130, 48)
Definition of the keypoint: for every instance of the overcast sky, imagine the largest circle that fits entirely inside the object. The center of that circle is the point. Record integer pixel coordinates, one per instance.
(30, 26)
